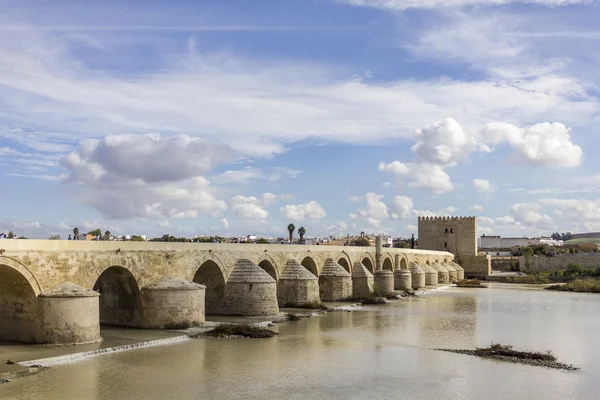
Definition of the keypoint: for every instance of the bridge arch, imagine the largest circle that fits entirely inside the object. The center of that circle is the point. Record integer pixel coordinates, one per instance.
(311, 265)
(211, 273)
(270, 266)
(344, 260)
(403, 263)
(24, 271)
(388, 263)
(18, 302)
(368, 262)
(120, 299)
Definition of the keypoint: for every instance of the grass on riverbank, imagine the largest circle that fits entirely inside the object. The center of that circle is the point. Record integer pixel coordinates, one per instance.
(249, 331)
(523, 279)
(470, 283)
(587, 285)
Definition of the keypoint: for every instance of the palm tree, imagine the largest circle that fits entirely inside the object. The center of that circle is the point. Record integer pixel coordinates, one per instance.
(301, 232)
(76, 233)
(291, 229)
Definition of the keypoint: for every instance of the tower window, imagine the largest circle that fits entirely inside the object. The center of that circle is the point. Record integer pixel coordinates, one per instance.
(451, 230)
(445, 245)
(446, 230)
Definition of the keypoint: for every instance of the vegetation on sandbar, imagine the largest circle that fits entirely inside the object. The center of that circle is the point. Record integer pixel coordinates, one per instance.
(470, 283)
(504, 352)
(587, 285)
(248, 331)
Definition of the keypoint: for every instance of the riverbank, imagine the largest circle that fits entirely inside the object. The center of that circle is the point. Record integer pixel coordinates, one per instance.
(586, 285)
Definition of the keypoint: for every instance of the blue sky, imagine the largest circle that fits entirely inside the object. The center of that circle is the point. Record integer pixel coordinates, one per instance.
(238, 117)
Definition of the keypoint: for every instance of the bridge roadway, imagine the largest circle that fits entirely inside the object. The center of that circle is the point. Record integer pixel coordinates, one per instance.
(49, 290)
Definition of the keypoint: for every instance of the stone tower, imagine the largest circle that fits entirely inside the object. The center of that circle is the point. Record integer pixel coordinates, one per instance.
(457, 235)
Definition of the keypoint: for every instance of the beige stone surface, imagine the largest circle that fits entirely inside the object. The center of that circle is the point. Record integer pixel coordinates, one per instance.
(460, 272)
(68, 320)
(443, 274)
(402, 279)
(362, 280)
(335, 283)
(417, 276)
(384, 281)
(172, 304)
(117, 270)
(452, 272)
(297, 286)
(431, 275)
(250, 291)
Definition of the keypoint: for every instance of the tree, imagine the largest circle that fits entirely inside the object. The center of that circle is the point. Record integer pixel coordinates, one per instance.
(106, 235)
(95, 232)
(301, 232)
(361, 242)
(76, 233)
(291, 228)
(262, 241)
(556, 236)
(54, 237)
(11, 235)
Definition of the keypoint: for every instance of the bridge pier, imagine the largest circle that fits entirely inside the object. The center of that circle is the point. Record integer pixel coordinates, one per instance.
(172, 303)
(384, 281)
(453, 276)
(68, 314)
(297, 286)
(335, 283)
(431, 275)
(362, 280)
(250, 291)
(402, 279)
(443, 274)
(417, 276)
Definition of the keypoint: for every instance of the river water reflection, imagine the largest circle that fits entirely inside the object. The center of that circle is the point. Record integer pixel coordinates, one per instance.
(378, 353)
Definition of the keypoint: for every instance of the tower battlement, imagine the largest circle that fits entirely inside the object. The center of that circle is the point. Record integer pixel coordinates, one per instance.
(446, 219)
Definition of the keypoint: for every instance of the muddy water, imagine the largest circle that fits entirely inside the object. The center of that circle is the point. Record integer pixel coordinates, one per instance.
(376, 353)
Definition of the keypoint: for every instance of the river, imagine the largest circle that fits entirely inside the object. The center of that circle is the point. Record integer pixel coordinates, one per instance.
(380, 352)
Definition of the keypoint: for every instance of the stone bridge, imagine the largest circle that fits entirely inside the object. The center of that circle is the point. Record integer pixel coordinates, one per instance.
(61, 291)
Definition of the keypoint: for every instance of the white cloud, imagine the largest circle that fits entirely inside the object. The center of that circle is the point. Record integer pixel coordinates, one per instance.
(482, 185)
(402, 206)
(426, 176)
(269, 198)
(443, 143)
(430, 177)
(225, 223)
(280, 102)
(407, 4)
(248, 207)
(145, 176)
(476, 208)
(375, 209)
(355, 199)
(309, 210)
(340, 226)
(529, 214)
(541, 144)
(395, 167)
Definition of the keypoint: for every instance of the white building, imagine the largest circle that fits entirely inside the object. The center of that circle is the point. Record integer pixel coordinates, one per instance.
(497, 242)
